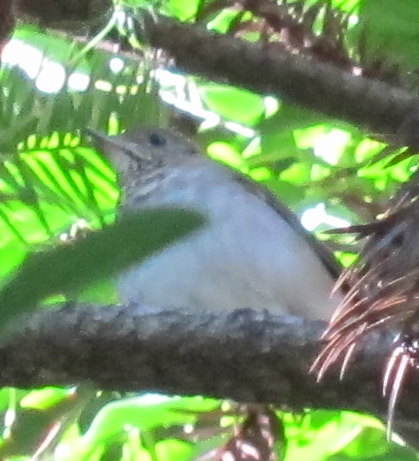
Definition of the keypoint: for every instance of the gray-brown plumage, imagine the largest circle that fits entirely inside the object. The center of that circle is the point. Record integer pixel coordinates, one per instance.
(251, 253)
(383, 293)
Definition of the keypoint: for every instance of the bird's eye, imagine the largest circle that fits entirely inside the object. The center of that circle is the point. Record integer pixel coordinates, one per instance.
(157, 139)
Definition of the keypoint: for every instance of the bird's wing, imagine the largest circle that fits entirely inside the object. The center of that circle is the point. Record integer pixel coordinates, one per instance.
(268, 197)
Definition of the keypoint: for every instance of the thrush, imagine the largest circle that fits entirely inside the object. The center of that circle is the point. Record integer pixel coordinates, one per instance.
(251, 253)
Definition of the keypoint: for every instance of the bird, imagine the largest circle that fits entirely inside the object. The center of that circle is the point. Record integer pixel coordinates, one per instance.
(252, 252)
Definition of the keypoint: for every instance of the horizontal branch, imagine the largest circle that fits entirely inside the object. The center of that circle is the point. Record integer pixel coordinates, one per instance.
(246, 356)
(369, 104)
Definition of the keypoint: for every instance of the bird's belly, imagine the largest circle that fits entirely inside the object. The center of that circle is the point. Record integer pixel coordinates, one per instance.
(242, 262)
(201, 273)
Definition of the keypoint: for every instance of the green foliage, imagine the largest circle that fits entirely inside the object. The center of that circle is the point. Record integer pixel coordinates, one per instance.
(178, 428)
(392, 29)
(233, 104)
(50, 88)
(99, 255)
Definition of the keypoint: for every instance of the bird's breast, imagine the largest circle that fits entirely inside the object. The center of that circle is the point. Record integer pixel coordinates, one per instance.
(246, 256)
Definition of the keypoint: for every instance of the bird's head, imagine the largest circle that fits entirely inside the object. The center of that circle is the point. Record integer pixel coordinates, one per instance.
(142, 150)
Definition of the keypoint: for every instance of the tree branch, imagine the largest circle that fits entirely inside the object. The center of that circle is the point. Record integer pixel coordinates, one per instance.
(247, 356)
(369, 104)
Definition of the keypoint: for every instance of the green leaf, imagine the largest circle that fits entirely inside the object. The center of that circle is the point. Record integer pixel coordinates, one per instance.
(392, 31)
(99, 255)
(146, 412)
(232, 103)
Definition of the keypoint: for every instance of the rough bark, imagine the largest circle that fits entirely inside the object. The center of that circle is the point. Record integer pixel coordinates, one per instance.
(247, 356)
(369, 104)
